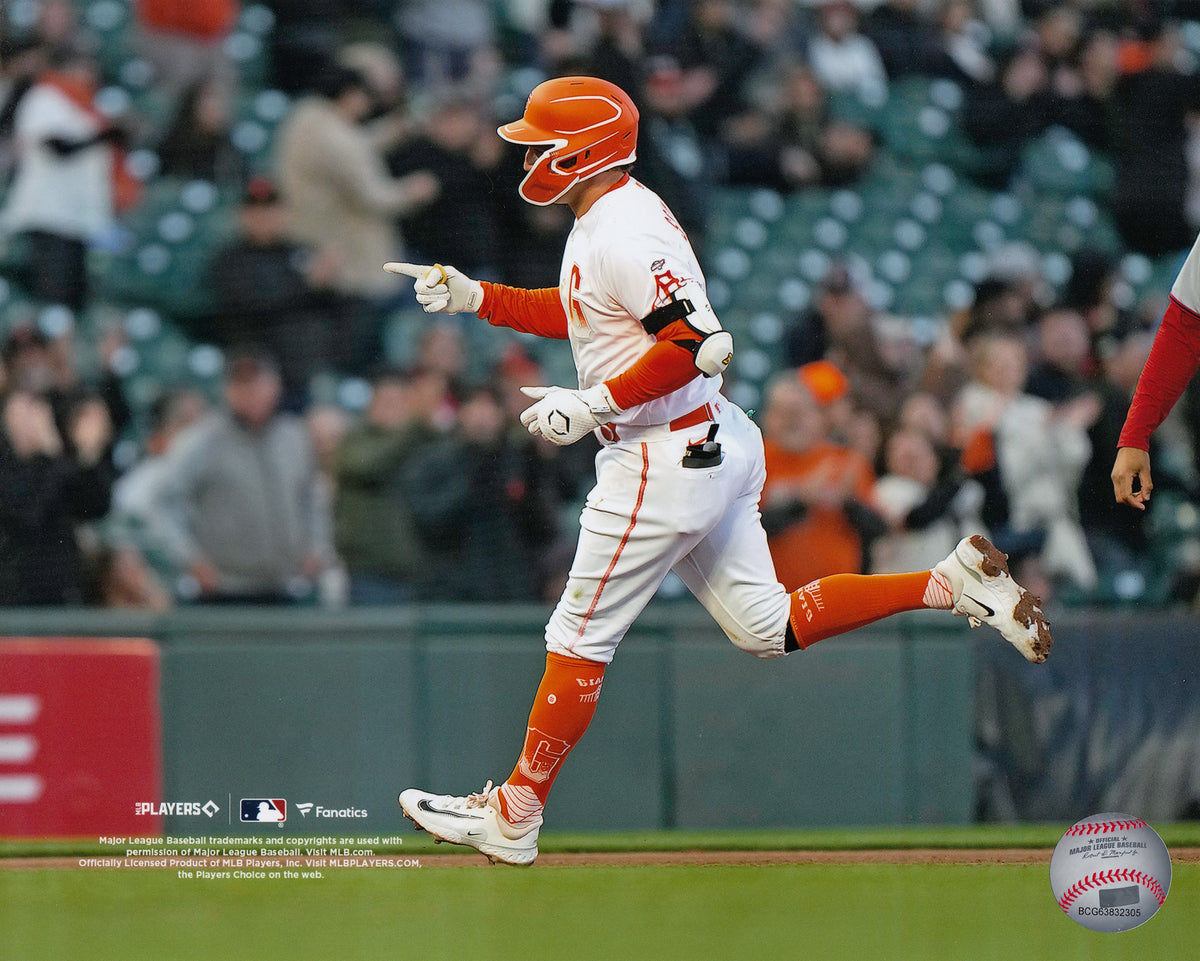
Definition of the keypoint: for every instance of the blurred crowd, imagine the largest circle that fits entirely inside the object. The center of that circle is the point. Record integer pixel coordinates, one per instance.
(883, 447)
(880, 457)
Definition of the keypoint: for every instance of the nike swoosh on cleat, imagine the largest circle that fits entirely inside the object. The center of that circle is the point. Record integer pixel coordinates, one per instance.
(424, 805)
(472, 833)
(979, 603)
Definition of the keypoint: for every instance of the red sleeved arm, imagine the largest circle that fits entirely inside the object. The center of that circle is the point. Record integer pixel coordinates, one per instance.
(537, 311)
(1173, 362)
(665, 367)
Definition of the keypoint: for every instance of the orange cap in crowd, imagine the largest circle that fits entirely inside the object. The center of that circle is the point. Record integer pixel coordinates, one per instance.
(824, 381)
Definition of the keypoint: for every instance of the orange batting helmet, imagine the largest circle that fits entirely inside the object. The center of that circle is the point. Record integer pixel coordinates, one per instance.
(588, 124)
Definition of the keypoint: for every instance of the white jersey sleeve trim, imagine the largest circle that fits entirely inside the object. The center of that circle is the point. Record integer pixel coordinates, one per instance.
(1186, 288)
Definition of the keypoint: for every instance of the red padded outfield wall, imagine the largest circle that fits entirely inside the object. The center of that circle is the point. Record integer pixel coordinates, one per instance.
(80, 737)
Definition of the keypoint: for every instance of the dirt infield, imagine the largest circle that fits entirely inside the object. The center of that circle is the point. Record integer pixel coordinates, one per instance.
(1189, 855)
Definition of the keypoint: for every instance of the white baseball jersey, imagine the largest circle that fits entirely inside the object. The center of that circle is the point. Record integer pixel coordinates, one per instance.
(649, 513)
(626, 256)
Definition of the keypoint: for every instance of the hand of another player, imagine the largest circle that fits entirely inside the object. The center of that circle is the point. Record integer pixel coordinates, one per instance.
(441, 290)
(1130, 463)
(562, 415)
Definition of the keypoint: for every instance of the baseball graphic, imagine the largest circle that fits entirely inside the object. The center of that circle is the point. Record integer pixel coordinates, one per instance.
(1110, 872)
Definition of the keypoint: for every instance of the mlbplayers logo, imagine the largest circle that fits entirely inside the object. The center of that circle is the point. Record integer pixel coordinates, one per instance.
(541, 755)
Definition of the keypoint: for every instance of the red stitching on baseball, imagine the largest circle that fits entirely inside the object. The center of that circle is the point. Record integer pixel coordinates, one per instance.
(1071, 895)
(1104, 827)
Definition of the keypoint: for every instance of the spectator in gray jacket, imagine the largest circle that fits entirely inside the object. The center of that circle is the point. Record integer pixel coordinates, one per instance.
(239, 505)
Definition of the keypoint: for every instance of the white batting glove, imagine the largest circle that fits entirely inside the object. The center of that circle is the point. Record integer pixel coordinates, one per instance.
(562, 415)
(441, 290)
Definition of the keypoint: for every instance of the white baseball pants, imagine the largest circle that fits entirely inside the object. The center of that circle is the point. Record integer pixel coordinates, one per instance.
(648, 515)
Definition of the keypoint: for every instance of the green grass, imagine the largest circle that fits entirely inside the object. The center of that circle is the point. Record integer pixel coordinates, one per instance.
(852, 912)
(786, 911)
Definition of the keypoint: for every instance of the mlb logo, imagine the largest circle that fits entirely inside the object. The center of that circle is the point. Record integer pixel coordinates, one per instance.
(264, 809)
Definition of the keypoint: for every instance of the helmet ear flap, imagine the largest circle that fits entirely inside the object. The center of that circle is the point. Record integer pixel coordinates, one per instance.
(545, 183)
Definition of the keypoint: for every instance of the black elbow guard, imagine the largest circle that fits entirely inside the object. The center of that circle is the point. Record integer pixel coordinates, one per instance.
(712, 352)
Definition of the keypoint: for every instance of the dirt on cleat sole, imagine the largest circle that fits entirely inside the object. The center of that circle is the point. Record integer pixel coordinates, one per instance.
(1028, 610)
(1029, 613)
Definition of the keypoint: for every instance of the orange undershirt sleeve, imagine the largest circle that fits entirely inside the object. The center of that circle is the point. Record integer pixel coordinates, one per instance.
(537, 311)
(665, 367)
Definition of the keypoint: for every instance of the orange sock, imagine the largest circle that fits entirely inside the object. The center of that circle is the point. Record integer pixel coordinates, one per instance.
(562, 710)
(841, 602)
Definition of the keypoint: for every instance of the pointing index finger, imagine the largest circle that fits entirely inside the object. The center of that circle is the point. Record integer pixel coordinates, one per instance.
(415, 271)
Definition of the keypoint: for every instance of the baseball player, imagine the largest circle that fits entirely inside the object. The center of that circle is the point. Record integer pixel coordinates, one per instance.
(680, 469)
(1173, 362)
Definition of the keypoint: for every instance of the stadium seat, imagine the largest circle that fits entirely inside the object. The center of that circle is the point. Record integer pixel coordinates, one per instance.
(1058, 162)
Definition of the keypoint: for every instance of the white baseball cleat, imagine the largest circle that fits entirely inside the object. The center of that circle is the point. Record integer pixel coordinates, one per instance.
(986, 593)
(475, 821)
